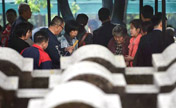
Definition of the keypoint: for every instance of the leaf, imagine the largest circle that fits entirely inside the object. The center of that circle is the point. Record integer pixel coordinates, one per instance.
(35, 5)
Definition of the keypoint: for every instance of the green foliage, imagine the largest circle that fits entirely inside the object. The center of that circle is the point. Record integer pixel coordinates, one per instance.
(35, 5)
(75, 7)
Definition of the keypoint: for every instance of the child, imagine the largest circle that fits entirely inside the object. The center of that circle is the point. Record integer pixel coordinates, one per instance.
(36, 51)
(135, 31)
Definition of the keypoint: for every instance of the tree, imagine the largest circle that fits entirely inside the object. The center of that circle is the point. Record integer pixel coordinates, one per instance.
(119, 11)
(35, 5)
(65, 10)
(74, 7)
(108, 4)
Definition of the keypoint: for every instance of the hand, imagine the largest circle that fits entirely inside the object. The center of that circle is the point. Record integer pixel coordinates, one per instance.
(69, 49)
(128, 58)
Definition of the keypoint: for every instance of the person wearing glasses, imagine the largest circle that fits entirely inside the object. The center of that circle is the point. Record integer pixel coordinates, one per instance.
(54, 49)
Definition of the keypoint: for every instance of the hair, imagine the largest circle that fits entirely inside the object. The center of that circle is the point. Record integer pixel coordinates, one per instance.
(103, 14)
(22, 28)
(82, 19)
(147, 26)
(119, 30)
(71, 25)
(41, 36)
(11, 11)
(23, 7)
(156, 19)
(147, 11)
(136, 23)
(57, 21)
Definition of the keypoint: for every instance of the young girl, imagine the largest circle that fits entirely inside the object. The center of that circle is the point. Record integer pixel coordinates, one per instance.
(135, 31)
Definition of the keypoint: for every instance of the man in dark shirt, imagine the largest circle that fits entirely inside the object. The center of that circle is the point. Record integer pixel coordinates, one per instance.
(54, 46)
(147, 13)
(25, 13)
(151, 43)
(103, 34)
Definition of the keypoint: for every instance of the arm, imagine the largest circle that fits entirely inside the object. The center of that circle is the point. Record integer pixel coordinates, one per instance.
(54, 53)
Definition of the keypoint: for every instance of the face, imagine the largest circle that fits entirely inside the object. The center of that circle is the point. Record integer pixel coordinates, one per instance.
(73, 33)
(133, 31)
(11, 17)
(45, 44)
(59, 29)
(28, 13)
(119, 39)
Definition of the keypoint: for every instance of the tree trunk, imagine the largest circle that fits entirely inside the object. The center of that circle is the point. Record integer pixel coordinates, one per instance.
(65, 10)
(119, 11)
(107, 4)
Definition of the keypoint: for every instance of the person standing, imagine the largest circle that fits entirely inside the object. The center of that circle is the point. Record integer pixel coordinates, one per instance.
(11, 17)
(147, 13)
(83, 36)
(103, 34)
(25, 13)
(151, 43)
(135, 31)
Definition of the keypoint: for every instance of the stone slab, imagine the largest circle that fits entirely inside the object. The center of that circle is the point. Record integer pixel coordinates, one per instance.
(8, 54)
(167, 100)
(97, 51)
(80, 92)
(32, 93)
(166, 80)
(8, 83)
(139, 75)
(162, 61)
(141, 89)
(45, 73)
(87, 68)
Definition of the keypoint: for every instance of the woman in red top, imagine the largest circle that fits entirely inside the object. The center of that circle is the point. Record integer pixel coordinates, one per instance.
(135, 31)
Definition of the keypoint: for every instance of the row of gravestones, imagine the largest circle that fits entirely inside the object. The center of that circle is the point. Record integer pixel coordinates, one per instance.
(111, 83)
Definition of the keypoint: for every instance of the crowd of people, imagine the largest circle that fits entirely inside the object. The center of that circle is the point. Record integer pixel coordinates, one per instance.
(46, 47)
